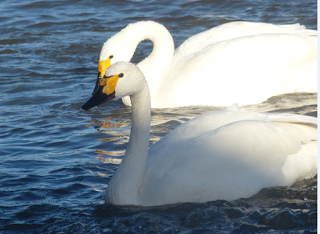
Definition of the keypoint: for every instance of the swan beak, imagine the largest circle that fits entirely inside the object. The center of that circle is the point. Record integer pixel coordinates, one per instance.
(102, 67)
(98, 98)
(105, 92)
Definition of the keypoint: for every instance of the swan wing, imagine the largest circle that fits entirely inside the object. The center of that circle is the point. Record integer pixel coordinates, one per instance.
(230, 31)
(227, 71)
(232, 161)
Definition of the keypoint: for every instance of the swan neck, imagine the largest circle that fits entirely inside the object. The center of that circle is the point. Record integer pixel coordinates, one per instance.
(141, 119)
(124, 187)
(155, 65)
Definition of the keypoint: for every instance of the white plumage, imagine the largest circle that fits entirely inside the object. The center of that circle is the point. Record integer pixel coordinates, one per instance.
(226, 154)
(241, 62)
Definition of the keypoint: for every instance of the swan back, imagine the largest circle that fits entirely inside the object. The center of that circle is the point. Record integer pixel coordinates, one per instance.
(247, 70)
(232, 30)
(231, 154)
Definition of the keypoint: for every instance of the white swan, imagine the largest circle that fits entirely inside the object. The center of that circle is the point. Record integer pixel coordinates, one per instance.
(227, 154)
(241, 62)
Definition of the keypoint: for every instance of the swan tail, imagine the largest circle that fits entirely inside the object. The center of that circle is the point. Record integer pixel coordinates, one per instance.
(302, 160)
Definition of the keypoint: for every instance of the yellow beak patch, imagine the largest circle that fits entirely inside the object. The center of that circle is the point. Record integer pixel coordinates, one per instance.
(109, 84)
(103, 66)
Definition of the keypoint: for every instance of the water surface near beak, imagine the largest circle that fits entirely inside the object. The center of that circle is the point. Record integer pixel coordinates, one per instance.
(57, 160)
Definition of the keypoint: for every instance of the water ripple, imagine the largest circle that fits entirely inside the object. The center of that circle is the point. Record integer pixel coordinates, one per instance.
(57, 160)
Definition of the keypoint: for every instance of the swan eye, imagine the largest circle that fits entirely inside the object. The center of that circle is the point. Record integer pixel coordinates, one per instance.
(121, 75)
(111, 56)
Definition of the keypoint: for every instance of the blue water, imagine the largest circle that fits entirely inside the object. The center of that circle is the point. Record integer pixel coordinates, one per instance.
(56, 160)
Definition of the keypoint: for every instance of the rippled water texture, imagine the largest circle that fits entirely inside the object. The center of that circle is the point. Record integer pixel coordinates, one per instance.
(57, 160)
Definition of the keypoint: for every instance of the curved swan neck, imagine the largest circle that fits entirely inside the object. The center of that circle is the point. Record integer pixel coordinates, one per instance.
(163, 45)
(159, 60)
(124, 186)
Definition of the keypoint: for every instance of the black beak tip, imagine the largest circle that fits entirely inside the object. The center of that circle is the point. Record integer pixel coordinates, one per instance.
(85, 106)
(97, 99)
(93, 101)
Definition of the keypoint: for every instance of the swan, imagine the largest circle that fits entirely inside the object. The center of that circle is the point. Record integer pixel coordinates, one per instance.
(226, 154)
(221, 65)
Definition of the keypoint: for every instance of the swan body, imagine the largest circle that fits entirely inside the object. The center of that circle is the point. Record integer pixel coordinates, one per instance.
(226, 154)
(241, 62)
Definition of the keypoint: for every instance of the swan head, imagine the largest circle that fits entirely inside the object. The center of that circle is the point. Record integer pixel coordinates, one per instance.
(120, 80)
(116, 49)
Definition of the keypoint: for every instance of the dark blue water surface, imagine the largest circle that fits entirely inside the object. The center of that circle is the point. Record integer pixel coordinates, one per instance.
(56, 160)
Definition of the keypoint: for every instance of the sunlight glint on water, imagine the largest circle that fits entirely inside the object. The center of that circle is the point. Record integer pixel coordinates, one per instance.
(57, 160)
